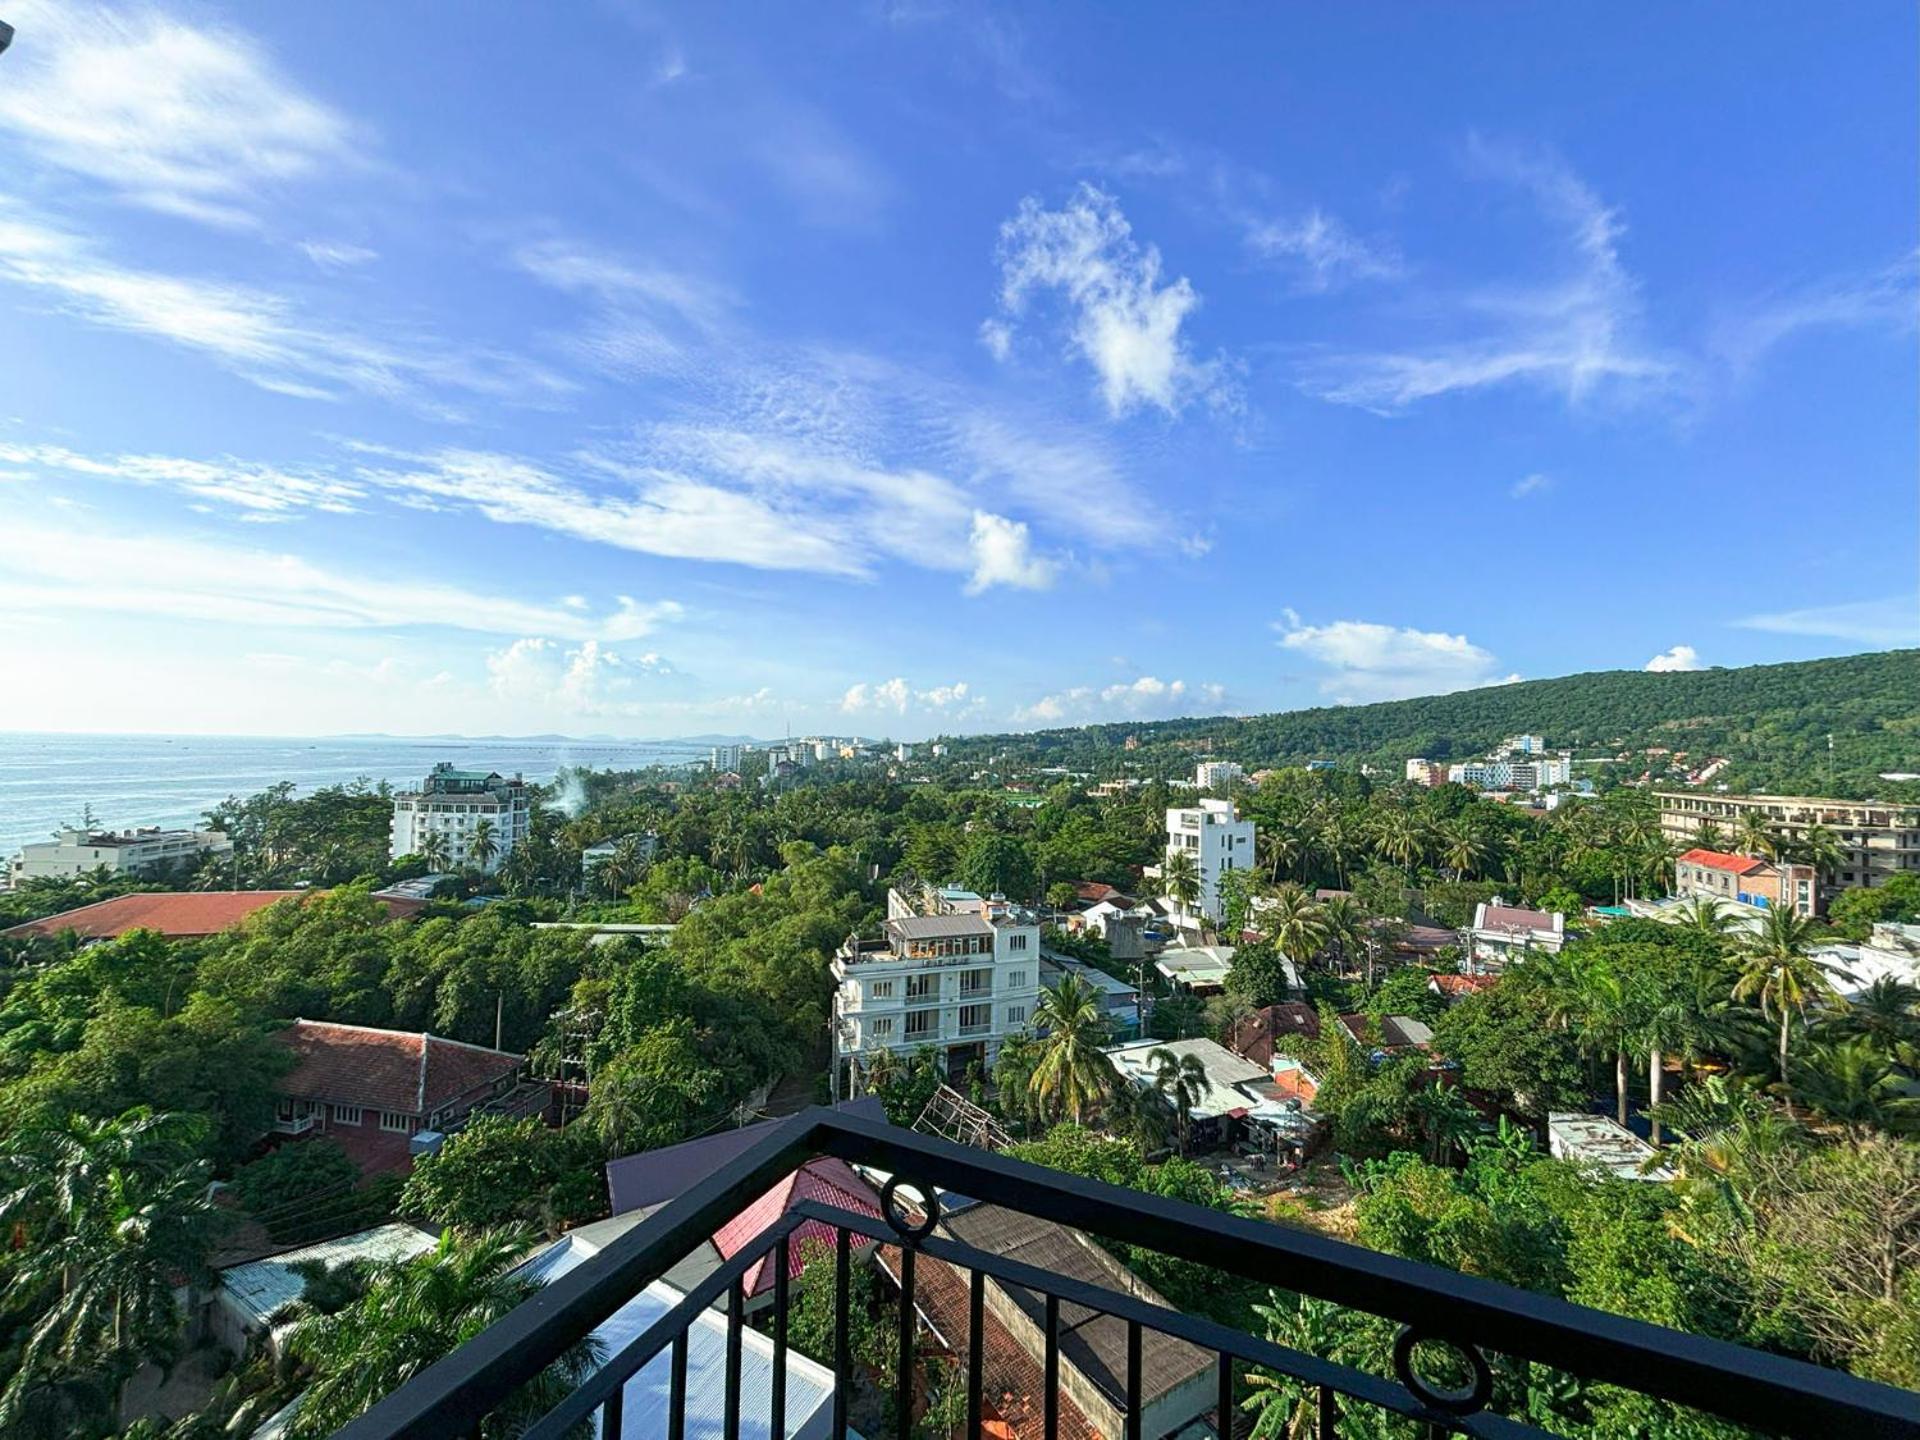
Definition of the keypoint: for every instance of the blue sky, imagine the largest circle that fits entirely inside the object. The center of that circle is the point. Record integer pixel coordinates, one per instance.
(892, 369)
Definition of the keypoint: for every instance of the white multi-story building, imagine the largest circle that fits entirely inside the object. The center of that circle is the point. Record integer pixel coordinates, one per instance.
(1524, 745)
(951, 970)
(724, 758)
(1218, 839)
(1426, 772)
(451, 804)
(1517, 773)
(146, 851)
(903, 752)
(1216, 774)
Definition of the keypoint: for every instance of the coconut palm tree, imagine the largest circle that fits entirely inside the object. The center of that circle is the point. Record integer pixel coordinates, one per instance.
(1781, 976)
(1462, 845)
(1295, 922)
(1704, 915)
(483, 847)
(1344, 930)
(433, 849)
(1180, 874)
(1854, 1083)
(1277, 848)
(1820, 847)
(1708, 835)
(1888, 1013)
(412, 1314)
(1399, 835)
(1138, 1116)
(1602, 1014)
(1181, 1080)
(1753, 834)
(1072, 1072)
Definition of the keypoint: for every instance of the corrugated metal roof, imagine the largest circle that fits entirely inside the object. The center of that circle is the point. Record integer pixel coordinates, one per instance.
(259, 1288)
(939, 927)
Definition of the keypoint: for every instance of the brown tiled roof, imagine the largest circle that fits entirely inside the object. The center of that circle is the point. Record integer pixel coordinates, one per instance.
(177, 914)
(1456, 985)
(397, 1070)
(1253, 1037)
(180, 914)
(1512, 917)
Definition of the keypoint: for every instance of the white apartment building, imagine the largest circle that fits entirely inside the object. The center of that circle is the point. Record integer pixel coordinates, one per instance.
(1218, 839)
(1515, 773)
(951, 970)
(903, 752)
(145, 851)
(451, 804)
(1216, 774)
(1524, 745)
(724, 758)
(1877, 839)
(1426, 772)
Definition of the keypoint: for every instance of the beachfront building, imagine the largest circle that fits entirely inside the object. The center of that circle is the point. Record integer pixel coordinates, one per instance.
(1218, 839)
(147, 851)
(1877, 840)
(951, 970)
(451, 804)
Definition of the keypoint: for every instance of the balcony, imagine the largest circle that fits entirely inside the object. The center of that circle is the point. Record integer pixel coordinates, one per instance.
(1478, 1321)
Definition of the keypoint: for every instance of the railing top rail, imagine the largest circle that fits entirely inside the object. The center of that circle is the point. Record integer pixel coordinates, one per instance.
(1769, 1392)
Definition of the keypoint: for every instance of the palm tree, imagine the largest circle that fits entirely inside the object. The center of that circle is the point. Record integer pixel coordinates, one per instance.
(1854, 1083)
(1888, 1013)
(412, 1314)
(1073, 1072)
(1277, 848)
(1400, 836)
(1708, 835)
(1704, 915)
(1181, 1080)
(433, 849)
(1601, 1011)
(1753, 835)
(1295, 923)
(1344, 929)
(1181, 876)
(483, 847)
(1780, 974)
(1462, 846)
(1137, 1115)
(1820, 847)
(1446, 1118)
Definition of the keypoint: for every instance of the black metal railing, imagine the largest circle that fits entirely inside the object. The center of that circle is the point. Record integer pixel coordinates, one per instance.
(1470, 1317)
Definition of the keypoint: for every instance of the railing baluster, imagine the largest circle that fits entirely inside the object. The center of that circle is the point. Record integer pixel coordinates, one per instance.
(612, 1413)
(1223, 1403)
(1329, 1426)
(903, 1393)
(1050, 1401)
(677, 1390)
(976, 1342)
(1133, 1380)
(736, 1307)
(777, 1404)
(842, 1359)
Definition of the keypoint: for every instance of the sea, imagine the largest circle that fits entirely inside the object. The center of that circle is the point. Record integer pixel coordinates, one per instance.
(47, 781)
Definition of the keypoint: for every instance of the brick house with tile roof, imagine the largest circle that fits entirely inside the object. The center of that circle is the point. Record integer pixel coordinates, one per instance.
(1744, 880)
(363, 1086)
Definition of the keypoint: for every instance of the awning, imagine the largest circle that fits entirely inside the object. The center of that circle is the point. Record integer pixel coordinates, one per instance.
(1239, 1112)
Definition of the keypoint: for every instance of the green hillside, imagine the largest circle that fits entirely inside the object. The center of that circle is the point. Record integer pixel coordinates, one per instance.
(1770, 721)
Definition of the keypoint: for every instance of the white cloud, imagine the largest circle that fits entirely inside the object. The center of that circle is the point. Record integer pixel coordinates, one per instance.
(1893, 621)
(896, 696)
(193, 120)
(260, 490)
(337, 254)
(1530, 485)
(255, 333)
(1144, 698)
(45, 569)
(1572, 335)
(1121, 318)
(997, 336)
(1322, 250)
(1384, 662)
(588, 679)
(1886, 299)
(1680, 657)
(1002, 554)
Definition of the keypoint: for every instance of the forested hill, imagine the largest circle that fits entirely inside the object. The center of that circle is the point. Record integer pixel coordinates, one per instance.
(1770, 721)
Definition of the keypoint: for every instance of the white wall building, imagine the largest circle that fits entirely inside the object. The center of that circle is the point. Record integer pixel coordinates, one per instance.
(1524, 744)
(1218, 839)
(124, 852)
(724, 758)
(951, 970)
(451, 804)
(1216, 774)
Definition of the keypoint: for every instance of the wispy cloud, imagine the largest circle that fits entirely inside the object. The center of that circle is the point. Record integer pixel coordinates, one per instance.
(261, 490)
(1321, 251)
(1370, 661)
(1886, 299)
(1121, 317)
(337, 254)
(1889, 622)
(190, 119)
(1527, 485)
(261, 336)
(1146, 697)
(1680, 657)
(47, 569)
(1573, 336)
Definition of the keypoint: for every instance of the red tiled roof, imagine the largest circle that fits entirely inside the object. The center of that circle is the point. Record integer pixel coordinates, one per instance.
(1720, 860)
(180, 914)
(829, 1181)
(177, 914)
(1451, 985)
(1093, 892)
(398, 1070)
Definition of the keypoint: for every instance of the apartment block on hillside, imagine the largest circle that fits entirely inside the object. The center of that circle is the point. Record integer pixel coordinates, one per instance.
(1877, 840)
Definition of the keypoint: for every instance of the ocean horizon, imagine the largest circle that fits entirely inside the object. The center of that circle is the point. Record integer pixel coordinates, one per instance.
(47, 780)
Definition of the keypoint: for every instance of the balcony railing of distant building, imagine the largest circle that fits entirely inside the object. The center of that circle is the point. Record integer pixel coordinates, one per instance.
(1481, 1323)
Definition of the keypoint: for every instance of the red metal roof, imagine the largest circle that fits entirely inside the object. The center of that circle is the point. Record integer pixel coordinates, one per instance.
(179, 914)
(1720, 860)
(828, 1180)
(402, 1071)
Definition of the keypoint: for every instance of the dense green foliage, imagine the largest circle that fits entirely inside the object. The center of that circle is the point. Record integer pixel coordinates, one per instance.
(1771, 721)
